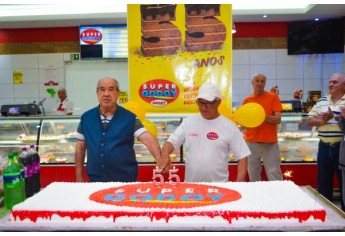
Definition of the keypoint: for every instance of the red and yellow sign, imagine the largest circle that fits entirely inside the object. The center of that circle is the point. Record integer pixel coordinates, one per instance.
(174, 49)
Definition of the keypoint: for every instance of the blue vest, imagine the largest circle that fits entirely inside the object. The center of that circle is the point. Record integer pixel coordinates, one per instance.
(110, 152)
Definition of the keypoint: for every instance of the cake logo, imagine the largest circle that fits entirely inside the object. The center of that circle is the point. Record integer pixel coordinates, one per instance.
(91, 36)
(146, 195)
(159, 92)
(212, 136)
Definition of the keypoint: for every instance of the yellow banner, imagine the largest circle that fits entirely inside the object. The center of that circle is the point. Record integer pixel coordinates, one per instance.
(174, 49)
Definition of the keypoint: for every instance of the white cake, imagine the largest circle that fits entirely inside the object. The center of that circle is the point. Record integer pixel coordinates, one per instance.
(186, 203)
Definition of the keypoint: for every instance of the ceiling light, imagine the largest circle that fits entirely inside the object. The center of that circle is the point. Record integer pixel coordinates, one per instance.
(271, 8)
(18, 11)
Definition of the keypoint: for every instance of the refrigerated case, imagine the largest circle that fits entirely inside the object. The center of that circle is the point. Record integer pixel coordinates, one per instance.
(55, 140)
(298, 142)
(166, 125)
(55, 137)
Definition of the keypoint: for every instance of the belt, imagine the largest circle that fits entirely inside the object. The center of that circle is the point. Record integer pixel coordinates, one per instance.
(336, 144)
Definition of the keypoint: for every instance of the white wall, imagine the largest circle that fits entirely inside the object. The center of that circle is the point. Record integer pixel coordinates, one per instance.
(82, 78)
(36, 69)
(306, 72)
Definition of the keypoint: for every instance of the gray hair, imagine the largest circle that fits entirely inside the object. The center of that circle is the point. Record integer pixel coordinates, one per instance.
(117, 85)
(62, 89)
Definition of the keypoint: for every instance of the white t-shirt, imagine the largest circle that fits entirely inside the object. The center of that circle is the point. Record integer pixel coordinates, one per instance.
(66, 107)
(208, 144)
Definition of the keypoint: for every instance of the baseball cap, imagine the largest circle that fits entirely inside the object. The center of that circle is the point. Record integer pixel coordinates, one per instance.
(208, 91)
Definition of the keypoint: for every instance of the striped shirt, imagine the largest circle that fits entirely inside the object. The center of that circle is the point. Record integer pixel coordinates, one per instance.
(329, 132)
(138, 127)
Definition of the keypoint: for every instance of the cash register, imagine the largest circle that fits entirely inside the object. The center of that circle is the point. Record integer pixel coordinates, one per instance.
(29, 109)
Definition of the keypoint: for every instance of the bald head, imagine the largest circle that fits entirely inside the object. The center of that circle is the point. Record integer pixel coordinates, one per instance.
(259, 76)
(336, 85)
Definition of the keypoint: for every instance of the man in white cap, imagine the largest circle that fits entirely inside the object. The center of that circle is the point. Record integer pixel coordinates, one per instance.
(209, 138)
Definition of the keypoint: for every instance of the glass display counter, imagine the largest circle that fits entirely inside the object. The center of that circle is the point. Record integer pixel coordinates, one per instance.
(55, 140)
(165, 126)
(298, 142)
(55, 137)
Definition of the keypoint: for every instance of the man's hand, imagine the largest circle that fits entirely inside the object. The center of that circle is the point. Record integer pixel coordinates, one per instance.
(325, 116)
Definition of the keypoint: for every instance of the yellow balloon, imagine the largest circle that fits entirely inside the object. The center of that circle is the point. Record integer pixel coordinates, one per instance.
(250, 115)
(136, 108)
(151, 127)
(225, 111)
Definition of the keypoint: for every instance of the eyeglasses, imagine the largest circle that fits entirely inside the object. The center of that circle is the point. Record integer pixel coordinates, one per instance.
(206, 104)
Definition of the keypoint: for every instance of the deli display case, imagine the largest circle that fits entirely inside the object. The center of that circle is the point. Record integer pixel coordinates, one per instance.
(54, 138)
(298, 142)
(165, 126)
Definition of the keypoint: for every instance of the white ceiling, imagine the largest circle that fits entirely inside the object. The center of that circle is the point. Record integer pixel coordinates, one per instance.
(71, 15)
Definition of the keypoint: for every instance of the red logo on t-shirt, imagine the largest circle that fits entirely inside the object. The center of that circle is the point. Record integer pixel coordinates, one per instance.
(212, 136)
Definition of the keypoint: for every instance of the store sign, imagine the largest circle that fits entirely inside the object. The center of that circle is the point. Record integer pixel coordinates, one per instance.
(74, 56)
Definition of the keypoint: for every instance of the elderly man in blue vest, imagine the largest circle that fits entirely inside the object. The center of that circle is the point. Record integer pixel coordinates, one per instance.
(106, 133)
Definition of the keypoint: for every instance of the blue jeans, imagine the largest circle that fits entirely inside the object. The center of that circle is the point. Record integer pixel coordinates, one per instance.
(327, 165)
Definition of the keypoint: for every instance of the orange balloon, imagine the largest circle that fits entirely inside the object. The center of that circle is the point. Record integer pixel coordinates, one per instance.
(151, 127)
(250, 115)
(225, 111)
(136, 108)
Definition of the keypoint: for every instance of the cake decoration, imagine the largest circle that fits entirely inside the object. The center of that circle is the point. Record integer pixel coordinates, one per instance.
(174, 178)
(146, 195)
(218, 203)
(204, 30)
(159, 35)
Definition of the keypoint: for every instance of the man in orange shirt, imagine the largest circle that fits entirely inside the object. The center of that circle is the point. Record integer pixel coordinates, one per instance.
(263, 140)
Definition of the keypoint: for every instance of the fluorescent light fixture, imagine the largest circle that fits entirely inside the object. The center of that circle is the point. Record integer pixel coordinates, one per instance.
(18, 12)
(272, 8)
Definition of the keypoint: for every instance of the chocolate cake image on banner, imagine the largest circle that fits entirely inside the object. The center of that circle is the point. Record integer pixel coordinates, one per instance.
(204, 30)
(159, 35)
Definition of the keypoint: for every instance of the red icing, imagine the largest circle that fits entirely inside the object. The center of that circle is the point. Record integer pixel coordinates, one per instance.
(227, 215)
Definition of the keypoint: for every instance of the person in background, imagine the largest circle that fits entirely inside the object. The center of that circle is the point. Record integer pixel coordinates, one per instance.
(64, 106)
(325, 114)
(263, 140)
(106, 133)
(342, 152)
(209, 137)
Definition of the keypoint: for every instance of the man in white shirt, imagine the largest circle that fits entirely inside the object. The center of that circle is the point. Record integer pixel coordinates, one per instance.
(208, 138)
